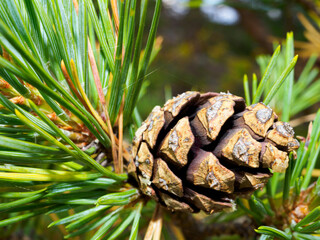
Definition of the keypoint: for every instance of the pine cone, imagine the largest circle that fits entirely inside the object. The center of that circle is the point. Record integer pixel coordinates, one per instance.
(201, 151)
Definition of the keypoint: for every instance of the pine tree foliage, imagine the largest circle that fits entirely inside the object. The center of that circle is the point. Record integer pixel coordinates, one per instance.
(290, 201)
(62, 66)
(71, 74)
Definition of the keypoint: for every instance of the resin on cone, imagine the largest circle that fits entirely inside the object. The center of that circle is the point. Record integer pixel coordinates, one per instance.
(201, 151)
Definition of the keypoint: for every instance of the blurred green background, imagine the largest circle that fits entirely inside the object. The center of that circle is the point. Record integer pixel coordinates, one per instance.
(209, 45)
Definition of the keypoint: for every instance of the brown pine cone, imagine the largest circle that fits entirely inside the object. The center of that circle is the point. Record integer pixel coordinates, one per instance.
(201, 151)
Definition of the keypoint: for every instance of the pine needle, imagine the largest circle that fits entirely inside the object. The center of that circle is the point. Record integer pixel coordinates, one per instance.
(94, 67)
(97, 82)
(158, 228)
(76, 5)
(120, 144)
(54, 217)
(109, 130)
(315, 172)
(177, 232)
(85, 98)
(115, 14)
(96, 75)
(298, 121)
(155, 225)
(71, 85)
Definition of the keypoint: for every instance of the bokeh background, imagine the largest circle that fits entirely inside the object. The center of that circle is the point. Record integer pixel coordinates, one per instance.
(209, 45)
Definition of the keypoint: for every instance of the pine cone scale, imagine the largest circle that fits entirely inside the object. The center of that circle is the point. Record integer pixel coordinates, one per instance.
(177, 143)
(205, 170)
(165, 178)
